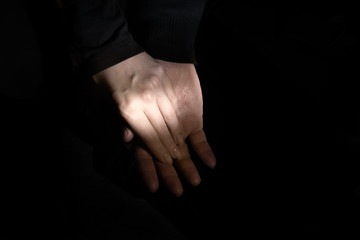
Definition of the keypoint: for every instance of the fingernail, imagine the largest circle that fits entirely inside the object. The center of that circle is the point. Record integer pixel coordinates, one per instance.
(210, 159)
(168, 158)
(177, 153)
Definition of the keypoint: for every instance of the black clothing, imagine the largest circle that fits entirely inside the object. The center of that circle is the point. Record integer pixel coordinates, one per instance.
(99, 33)
(49, 187)
(166, 29)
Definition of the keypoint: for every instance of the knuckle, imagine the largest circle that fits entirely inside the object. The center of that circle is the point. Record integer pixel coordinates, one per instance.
(127, 105)
(159, 70)
(147, 95)
(153, 82)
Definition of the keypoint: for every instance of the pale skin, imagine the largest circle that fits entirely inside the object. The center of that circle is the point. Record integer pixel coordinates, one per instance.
(147, 101)
(178, 116)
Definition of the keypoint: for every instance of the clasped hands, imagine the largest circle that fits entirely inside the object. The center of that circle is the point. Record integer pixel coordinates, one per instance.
(162, 104)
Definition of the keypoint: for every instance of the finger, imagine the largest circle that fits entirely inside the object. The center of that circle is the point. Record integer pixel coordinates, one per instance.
(171, 119)
(174, 108)
(170, 92)
(201, 146)
(146, 168)
(128, 135)
(187, 167)
(143, 128)
(158, 123)
(170, 178)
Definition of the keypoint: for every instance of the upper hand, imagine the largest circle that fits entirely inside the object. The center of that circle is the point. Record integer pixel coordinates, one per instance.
(147, 101)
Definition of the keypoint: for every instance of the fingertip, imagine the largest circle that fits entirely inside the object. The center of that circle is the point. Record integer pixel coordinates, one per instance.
(178, 191)
(151, 182)
(175, 186)
(153, 186)
(192, 176)
(128, 135)
(196, 180)
(209, 159)
(212, 165)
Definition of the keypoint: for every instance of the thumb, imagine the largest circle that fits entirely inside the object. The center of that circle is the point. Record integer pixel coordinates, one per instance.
(128, 135)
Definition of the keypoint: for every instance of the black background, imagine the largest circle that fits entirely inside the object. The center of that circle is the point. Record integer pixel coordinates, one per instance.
(281, 111)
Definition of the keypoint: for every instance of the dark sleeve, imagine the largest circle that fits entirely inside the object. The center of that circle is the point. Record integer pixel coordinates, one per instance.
(99, 33)
(166, 28)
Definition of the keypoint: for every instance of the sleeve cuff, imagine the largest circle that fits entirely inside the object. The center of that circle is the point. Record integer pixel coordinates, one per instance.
(110, 55)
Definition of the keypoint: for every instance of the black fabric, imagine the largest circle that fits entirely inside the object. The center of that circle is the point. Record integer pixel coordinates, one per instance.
(98, 208)
(18, 83)
(99, 35)
(49, 187)
(166, 29)
(285, 137)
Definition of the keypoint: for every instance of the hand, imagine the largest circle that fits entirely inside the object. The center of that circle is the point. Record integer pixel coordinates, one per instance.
(147, 101)
(187, 88)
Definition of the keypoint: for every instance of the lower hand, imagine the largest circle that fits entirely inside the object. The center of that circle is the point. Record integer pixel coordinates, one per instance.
(186, 84)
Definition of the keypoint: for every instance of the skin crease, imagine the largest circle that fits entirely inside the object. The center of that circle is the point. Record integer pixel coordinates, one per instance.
(179, 87)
